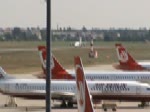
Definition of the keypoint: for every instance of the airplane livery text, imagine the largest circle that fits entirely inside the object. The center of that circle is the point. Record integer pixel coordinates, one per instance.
(115, 87)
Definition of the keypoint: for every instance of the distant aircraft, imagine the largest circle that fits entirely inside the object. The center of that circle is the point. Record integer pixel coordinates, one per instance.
(61, 73)
(78, 43)
(83, 95)
(127, 62)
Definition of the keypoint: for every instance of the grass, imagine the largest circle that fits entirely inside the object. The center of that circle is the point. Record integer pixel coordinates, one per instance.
(20, 62)
(28, 61)
(20, 44)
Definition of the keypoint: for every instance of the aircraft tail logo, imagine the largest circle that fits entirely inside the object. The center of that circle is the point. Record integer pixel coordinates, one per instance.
(83, 95)
(81, 92)
(58, 72)
(126, 60)
(122, 53)
(42, 54)
(3, 74)
(124, 56)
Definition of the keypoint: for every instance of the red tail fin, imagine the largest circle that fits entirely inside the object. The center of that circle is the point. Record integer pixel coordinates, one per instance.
(126, 59)
(58, 72)
(83, 95)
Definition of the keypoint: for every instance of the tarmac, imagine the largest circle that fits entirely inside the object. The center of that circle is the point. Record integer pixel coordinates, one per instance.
(39, 106)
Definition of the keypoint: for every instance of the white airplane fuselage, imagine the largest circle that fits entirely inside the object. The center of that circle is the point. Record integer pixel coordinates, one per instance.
(117, 75)
(145, 65)
(115, 90)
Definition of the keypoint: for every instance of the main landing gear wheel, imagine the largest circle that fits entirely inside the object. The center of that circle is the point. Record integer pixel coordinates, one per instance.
(63, 105)
(143, 104)
(70, 104)
(114, 109)
(11, 102)
(105, 109)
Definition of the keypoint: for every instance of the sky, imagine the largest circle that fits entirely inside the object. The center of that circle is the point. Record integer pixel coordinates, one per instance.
(76, 13)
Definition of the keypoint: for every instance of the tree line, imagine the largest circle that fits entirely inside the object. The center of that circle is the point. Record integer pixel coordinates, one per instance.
(69, 34)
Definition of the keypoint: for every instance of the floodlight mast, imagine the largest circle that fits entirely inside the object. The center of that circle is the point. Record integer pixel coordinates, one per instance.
(48, 65)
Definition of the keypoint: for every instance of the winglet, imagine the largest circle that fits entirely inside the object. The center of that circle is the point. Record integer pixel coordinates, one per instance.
(83, 95)
(125, 59)
(58, 72)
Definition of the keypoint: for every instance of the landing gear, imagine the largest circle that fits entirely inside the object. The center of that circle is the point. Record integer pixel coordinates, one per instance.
(105, 109)
(113, 109)
(11, 102)
(70, 104)
(143, 104)
(64, 105)
(109, 106)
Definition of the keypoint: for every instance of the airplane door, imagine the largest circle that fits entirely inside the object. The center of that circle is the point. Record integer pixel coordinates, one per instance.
(138, 90)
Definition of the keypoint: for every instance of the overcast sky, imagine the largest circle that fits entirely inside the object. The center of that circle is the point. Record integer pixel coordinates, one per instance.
(76, 13)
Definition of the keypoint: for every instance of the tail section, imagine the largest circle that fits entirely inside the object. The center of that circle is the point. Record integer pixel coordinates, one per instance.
(126, 60)
(58, 72)
(3, 74)
(42, 54)
(83, 95)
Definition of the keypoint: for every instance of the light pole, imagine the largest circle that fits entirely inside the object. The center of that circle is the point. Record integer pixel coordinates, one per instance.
(48, 65)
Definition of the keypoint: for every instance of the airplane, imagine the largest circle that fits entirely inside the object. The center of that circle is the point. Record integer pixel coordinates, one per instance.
(127, 62)
(78, 43)
(83, 92)
(61, 73)
(83, 95)
(65, 90)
